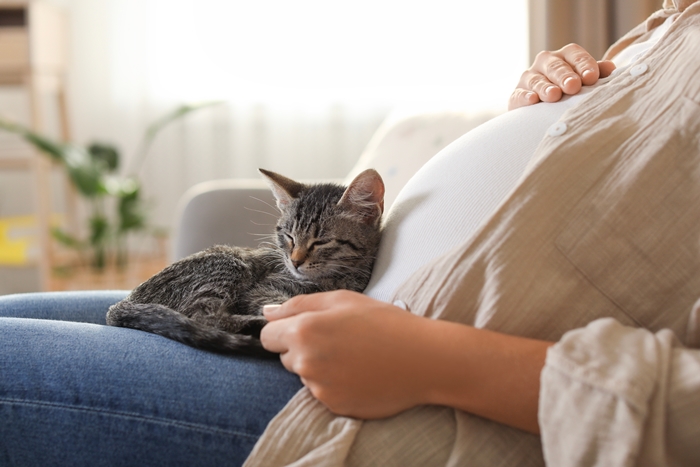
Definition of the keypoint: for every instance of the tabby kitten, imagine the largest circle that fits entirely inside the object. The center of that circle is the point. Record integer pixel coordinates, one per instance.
(327, 238)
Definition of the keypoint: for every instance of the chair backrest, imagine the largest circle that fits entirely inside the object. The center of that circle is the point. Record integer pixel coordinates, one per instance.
(223, 212)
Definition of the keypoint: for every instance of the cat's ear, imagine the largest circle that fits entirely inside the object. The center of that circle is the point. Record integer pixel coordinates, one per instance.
(284, 189)
(364, 197)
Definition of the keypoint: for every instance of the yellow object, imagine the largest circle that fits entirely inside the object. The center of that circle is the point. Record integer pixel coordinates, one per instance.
(17, 236)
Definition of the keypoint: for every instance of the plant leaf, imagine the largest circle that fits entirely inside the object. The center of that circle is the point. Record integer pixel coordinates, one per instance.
(83, 171)
(52, 148)
(67, 239)
(132, 215)
(105, 154)
(176, 114)
(161, 123)
(99, 230)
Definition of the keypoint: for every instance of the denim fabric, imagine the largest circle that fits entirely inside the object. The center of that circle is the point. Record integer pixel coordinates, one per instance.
(84, 307)
(78, 393)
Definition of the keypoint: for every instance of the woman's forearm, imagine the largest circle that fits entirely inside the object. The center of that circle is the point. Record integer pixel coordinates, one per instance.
(493, 375)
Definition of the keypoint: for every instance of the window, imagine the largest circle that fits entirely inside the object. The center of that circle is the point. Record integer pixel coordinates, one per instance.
(320, 51)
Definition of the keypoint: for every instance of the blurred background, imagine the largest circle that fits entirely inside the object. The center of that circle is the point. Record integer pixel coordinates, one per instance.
(300, 87)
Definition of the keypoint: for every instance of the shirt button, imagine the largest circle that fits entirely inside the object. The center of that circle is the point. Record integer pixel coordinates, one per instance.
(400, 304)
(639, 69)
(557, 129)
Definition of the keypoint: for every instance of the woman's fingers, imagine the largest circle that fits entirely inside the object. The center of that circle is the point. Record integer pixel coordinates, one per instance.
(606, 68)
(299, 304)
(556, 73)
(274, 336)
(284, 321)
(522, 97)
(569, 67)
(533, 88)
(545, 88)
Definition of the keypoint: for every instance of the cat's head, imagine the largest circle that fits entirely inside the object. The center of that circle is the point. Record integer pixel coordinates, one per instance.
(328, 231)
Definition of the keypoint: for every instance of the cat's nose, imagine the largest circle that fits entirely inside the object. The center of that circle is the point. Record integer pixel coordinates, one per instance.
(297, 257)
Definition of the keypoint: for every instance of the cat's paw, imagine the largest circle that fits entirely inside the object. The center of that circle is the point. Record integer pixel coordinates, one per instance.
(252, 326)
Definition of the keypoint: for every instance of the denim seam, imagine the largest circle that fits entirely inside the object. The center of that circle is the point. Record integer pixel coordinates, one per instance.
(162, 421)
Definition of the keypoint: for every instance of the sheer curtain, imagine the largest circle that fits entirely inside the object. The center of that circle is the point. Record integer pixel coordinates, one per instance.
(594, 24)
(304, 83)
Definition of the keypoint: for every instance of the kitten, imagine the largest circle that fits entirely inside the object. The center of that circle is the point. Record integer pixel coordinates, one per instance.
(327, 238)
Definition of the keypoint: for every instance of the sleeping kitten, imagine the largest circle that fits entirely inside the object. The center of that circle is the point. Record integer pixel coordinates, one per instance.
(327, 238)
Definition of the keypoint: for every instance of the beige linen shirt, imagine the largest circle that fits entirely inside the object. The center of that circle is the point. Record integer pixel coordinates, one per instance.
(597, 248)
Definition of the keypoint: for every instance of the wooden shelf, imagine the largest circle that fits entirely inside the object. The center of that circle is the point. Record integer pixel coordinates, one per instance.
(15, 163)
(33, 57)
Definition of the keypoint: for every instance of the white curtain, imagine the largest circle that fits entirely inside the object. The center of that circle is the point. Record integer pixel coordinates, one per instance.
(594, 24)
(304, 82)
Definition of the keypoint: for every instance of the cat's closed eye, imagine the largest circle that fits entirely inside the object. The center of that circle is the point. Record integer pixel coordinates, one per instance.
(288, 239)
(316, 243)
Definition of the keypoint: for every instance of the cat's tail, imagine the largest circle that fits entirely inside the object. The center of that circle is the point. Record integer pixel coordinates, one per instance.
(161, 320)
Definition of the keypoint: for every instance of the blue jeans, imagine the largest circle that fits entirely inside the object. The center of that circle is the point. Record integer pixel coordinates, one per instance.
(75, 392)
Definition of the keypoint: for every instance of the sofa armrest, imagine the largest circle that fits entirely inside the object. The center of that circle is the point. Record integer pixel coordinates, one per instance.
(234, 212)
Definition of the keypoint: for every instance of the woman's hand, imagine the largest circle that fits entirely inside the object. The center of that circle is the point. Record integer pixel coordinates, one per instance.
(368, 359)
(556, 73)
(358, 356)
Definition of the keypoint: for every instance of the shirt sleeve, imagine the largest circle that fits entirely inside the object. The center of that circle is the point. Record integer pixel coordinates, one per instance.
(619, 396)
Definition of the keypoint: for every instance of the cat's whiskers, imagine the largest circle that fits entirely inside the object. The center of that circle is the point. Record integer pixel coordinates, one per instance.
(343, 268)
(268, 245)
(273, 247)
(261, 212)
(275, 257)
(260, 225)
(267, 204)
(269, 240)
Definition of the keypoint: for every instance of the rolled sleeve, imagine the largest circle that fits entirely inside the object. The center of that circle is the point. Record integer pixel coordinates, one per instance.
(619, 396)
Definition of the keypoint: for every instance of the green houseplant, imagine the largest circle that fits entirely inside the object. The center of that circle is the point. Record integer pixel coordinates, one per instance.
(115, 203)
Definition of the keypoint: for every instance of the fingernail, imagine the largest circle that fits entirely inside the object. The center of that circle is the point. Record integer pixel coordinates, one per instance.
(587, 73)
(270, 308)
(549, 90)
(568, 80)
(530, 95)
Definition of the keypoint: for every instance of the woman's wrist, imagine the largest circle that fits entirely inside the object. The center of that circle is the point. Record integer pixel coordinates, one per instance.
(482, 372)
